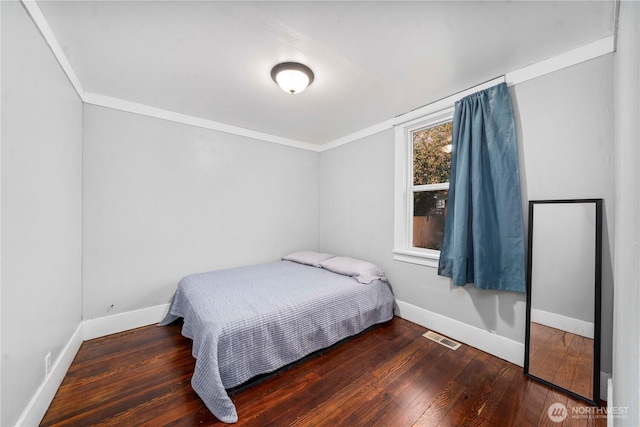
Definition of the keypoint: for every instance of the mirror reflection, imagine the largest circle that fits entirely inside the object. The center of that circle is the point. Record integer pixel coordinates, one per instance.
(563, 281)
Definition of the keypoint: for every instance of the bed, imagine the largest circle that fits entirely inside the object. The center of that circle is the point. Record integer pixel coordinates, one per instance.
(253, 320)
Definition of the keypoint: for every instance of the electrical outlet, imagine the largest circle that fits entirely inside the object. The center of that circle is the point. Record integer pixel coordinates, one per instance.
(47, 363)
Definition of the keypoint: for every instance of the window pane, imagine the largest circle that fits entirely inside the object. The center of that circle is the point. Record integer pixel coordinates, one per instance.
(432, 154)
(429, 212)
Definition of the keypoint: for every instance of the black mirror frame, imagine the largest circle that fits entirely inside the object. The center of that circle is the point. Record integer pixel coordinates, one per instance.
(595, 399)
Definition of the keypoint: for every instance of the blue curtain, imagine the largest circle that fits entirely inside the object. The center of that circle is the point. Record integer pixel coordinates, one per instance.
(483, 239)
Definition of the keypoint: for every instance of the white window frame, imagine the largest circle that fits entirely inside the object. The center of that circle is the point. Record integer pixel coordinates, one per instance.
(403, 216)
(430, 115)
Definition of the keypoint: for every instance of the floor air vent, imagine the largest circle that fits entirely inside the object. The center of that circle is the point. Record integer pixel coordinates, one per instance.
(442, 340)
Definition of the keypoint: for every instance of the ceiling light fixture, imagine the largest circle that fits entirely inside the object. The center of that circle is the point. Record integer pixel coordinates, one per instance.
(292, 77)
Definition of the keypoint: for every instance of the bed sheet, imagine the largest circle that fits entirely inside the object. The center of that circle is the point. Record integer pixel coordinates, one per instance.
(253, 320)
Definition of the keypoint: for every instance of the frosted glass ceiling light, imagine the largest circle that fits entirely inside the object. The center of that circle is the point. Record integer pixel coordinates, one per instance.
(292, 77)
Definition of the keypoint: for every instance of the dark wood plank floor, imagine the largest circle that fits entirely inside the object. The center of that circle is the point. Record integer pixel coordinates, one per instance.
(387, 376)
(563, 358)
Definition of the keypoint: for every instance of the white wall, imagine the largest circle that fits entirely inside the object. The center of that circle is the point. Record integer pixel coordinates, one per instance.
(163, 200)
(563, 268)
(41, 210)
(564, 125)
(626, 344)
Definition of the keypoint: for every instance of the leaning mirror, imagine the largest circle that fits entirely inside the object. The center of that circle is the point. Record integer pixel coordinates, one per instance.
(562, 347)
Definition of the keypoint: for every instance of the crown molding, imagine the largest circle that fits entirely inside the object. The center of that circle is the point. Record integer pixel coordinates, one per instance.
(573, 57)
(556, 63)
(159, 113)
(33, 10)
(411, 115)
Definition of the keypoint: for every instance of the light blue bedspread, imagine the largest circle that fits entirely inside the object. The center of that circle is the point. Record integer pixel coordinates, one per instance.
(252, 320)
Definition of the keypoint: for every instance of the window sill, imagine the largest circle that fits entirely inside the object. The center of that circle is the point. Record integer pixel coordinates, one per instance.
(415, 257)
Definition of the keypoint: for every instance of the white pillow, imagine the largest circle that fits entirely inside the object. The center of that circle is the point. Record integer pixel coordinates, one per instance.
(362, 271)
(307, 257)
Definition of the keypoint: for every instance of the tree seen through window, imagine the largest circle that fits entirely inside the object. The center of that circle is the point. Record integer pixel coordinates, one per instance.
(431, 169)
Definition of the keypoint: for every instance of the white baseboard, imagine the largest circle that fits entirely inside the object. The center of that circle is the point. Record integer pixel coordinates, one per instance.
(494, 344)
(86, 330)
(37, 407)
(564, 323)
(102, 326)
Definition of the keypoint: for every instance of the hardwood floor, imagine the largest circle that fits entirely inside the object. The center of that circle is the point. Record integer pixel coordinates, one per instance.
(562, 358)
(387, 376)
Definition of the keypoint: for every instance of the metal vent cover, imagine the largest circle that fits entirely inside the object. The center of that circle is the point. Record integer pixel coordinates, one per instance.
(442, 340)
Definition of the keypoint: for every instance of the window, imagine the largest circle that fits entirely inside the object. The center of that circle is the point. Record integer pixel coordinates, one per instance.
(422, 167)
(431, 165)
(423, 164)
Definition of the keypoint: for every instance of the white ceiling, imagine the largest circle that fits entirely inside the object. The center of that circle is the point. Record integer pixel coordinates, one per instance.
(372, 60)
